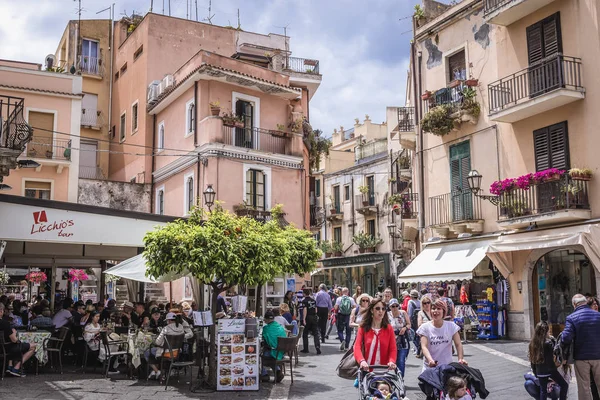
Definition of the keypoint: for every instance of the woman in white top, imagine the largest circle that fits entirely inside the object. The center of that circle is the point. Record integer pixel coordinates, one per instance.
(91, 333)
(356, 315)
(425, 313)
(174, 327)
(437, 337)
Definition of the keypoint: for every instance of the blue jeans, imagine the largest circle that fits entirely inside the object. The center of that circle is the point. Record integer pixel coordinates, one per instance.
(343, 324)
(401, 360)
(267, 354)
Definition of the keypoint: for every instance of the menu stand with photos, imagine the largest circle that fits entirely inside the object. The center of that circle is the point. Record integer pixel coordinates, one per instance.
(237, 355)
(202, 320)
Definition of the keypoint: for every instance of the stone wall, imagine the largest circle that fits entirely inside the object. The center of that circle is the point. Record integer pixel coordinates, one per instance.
(116, 195)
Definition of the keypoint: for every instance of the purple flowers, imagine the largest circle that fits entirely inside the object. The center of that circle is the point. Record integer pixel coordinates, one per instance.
(525, 181)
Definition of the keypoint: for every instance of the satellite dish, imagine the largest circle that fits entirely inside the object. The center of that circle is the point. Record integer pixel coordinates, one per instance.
(50, 61)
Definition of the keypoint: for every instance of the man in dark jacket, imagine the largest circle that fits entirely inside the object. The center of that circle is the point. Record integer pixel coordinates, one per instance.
(582, 329)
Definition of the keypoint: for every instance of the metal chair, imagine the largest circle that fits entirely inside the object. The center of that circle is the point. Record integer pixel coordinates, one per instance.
(54, 345)
(123, 346)
(298, 337)
(289, 328)
(87, 351)
(287, 345)
(3, 356)
(173, 347)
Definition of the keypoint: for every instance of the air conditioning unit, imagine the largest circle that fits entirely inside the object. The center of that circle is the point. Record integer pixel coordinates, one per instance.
(153, 92)
(168, 81)
(161, 87)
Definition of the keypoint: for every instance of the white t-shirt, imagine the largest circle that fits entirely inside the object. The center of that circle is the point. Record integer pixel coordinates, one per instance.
(440, 341)
(338, 303)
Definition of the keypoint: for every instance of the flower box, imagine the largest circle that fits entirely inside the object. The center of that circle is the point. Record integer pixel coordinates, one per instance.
(472, 82)
(426, 95)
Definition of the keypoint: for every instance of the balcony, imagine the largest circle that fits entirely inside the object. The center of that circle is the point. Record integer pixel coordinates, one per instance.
(367, 151)
(562, 200)
(14, 132)
(90, 65)
(454, 213)
(46, 148)
(446, 95)
(505, 12)
(551, 83)
(409, 209)
(268, 141)
(317, 217)
(86, 172)
(334, 212)
(301, 65)
(92, 118)
(365, 203)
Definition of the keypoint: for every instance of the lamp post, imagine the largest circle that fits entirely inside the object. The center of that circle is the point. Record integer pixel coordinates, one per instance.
(209, 196)
(474, 181)
(391, 229)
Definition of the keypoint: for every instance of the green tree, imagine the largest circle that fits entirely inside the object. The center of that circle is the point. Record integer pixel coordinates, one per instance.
(222, 250)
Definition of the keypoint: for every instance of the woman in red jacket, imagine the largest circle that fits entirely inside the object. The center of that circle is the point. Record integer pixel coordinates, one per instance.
(376, 337)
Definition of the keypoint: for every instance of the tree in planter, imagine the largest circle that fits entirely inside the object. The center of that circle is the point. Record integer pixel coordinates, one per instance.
(337, 248)
(325, 247)
(364, 190)
(226, 250)
(362, 240)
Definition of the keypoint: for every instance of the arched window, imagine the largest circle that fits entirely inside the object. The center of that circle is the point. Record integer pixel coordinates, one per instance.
(161, 137)
(191, 117)
(160, 202)
(190, 193)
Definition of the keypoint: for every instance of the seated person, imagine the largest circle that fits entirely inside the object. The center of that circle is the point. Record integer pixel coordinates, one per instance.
(40, 318)
(64, 316)
(108, 311)
(278, 318)
(284, 310)
(155, 320)
(91, 334)
(174, 327)
(126, 313)
(14, 318)
(271, 331)
(383, 392)
(14, 348)
(140, 314)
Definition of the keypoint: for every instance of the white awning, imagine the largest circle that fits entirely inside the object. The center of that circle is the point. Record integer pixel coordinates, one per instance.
(134, 269)
(444, 262)
(584, 237)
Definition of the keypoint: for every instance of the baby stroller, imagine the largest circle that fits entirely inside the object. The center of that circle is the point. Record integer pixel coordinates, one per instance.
(432, 382)
(368, 381)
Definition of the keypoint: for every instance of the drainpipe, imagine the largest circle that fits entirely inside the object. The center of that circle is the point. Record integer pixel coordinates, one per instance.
(198, 178)
(110, 78)
(196, 116)
(152, 172)
(352, 206)
(416, 91)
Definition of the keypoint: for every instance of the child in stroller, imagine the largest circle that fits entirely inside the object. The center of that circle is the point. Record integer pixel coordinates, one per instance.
(435, 382)
(381, 383)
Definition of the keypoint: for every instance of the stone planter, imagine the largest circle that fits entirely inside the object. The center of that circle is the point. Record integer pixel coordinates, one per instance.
(215, 111)
(337, 254)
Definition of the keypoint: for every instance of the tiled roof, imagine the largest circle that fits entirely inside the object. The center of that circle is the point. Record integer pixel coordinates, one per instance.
(40, 90)
(208, 67)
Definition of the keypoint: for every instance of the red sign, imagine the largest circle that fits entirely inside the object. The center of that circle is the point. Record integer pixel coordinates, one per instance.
(41, 225)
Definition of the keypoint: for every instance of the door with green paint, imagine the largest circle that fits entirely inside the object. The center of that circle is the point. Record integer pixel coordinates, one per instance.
(460, 194)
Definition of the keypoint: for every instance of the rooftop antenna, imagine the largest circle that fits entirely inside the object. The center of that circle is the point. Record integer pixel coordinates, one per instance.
(239, 23)
(287, 50)
(196, 1)
(78, 50)
(210, 16)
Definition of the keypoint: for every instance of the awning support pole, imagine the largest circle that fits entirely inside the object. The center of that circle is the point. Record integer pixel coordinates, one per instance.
(53, 284)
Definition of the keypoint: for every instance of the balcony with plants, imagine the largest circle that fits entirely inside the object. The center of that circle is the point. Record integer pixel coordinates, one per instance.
(505, 12)
(447, 108)
(547, 197)
(365, 201)
(331, 248)
(334, 210)
(367, 243)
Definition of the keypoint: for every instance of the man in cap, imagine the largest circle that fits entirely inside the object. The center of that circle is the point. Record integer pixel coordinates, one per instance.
(126, 314)
(272, 330)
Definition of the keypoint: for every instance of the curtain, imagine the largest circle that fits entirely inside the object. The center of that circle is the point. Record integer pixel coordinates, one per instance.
(133, 290)
(197, 292)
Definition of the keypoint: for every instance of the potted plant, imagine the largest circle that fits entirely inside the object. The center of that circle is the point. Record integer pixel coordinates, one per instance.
(373, 242)
(454, 83)
(364, 190)
(233, 120)
(570, 192)
(391, 180)
(337, 248)
(407, 209)
(472, 82)
(426, 95)
(48, 153)
(325, 247)
(581, 174)
(215, 108)
(438, 120)
(332, 208)
(362, 240)
(419, 15)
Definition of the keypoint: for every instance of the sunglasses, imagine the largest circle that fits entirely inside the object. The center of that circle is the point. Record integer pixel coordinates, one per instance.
(379, 308)
(425, 303)
(364, 301)
(394, 306)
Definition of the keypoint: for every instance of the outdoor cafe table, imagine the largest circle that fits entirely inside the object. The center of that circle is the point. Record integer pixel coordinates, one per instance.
(138, 343)
(37, 338)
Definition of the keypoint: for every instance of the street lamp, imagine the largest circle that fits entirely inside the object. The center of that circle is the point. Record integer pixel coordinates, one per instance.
(391, 229)
(4, 186)
(474, 181)
(209, 196)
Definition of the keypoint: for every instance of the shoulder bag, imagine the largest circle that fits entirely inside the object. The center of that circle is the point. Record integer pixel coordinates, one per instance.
(348, 366)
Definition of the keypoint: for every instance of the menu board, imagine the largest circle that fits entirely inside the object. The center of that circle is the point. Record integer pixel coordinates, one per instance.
(237, 357)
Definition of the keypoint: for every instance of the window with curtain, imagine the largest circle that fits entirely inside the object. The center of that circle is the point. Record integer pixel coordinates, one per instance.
(255, 189)
(38, 190)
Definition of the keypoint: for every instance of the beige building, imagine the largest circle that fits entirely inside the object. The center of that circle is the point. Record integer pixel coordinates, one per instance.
(506, 95)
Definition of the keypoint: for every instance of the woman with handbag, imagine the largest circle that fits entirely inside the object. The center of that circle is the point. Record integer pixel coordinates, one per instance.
(401, 325)
(375, 342)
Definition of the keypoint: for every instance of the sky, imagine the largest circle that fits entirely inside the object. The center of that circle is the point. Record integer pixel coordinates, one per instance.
(362, 46)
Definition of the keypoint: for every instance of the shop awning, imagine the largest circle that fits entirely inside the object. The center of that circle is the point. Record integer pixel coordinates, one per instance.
(134, 269)
(444, 262)
(584, 237)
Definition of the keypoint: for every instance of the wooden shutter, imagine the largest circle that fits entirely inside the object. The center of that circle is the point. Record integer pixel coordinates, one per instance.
(551, 147)
(535, 45)
(544, 38)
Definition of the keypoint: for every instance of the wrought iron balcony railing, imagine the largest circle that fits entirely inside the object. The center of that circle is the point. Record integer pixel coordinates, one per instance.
(90, 65)
(563, 193)
(92, 118)
(256, 139)
(86, 172)
(406, 119)
(491, 6)
(447, 95)
(370, 149)
(409, 209)
(317, 216)
(52, 149)
(302, 65)
(14, 131)
(457, 206)
(552, 73)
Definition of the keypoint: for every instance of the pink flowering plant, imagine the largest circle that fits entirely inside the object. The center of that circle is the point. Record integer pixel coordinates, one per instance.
(525, 181)
(36, 277)
(77, 275)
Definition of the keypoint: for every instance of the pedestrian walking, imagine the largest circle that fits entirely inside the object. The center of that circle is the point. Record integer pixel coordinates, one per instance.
(324, 306)
(310, 321)
(405, 300)
(387, 296)
(362, 302)
(414, 307)
(449, 304)
(581, 329)
(375, 341)
(343, 308)
(541, 357)
(358, 292)
(401, 324)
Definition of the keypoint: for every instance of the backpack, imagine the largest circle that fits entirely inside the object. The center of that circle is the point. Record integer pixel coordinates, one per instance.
(345, 305)
(414, 317)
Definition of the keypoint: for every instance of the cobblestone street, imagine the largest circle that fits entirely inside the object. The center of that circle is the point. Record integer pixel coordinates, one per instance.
(502, 363)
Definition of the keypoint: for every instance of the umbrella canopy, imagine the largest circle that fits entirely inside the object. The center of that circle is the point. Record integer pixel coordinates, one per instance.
(134, 268)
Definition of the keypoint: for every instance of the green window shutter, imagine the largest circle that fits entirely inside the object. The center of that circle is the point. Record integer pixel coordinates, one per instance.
(318, 187)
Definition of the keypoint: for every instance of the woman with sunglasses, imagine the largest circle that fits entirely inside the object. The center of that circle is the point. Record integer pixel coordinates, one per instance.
(375, 342)
(437, 337)
(362, 303)
(423, 316)
(401, 324)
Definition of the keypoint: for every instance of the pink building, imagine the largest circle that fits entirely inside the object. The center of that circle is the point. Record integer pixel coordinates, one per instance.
(51, 105)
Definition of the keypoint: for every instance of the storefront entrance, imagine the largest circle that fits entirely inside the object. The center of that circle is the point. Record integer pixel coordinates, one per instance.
(557, 277)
